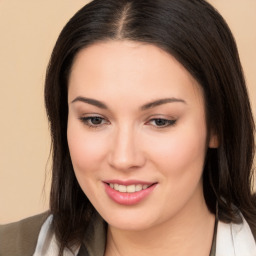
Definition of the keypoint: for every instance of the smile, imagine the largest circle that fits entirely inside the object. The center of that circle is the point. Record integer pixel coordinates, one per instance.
(128, 189)
(129, 192)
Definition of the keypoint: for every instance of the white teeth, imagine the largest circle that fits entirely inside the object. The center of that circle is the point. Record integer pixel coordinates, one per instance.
(145, 186)
(122, 188)
(138, 187)
(128, 189)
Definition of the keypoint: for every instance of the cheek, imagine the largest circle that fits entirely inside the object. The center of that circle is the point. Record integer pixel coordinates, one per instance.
(86, 150)
(181, 152)
(179, 157)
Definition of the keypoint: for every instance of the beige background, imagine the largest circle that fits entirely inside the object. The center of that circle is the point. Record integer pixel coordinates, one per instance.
(29, 29)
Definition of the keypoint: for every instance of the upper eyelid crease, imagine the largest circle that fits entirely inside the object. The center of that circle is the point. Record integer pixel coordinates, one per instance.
(146, 106)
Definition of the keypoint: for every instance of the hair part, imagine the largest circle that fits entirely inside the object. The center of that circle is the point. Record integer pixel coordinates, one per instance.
(198, 37)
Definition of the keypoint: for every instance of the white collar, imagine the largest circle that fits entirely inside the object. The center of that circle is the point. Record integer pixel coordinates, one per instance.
(47, 244)
(235, 240)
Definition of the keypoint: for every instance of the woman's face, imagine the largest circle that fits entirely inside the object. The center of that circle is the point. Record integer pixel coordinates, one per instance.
(136, 133)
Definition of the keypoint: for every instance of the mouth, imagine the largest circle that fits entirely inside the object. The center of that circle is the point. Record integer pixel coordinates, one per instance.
(128, 192)
(130, 188)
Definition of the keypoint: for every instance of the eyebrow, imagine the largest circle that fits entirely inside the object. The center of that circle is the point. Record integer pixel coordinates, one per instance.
(161, 102)
(149, 105)
(93, 102)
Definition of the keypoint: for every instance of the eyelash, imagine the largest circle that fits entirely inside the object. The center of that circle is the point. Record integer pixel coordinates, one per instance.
(168, 122)
(88, 121)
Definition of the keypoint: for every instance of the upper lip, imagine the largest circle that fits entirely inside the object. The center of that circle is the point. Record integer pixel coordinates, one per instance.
(128, 182)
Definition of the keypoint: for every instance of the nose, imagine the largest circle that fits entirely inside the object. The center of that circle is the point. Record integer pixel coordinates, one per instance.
(126, 153)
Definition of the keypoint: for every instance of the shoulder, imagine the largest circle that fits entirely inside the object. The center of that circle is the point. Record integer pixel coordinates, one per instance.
(20, 238)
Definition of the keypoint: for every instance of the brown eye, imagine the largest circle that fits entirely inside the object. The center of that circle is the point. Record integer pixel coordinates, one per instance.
(96, 120)
(161, 123)
(93, 121)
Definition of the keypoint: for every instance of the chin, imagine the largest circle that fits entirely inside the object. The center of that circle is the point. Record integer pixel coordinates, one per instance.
(130, 221)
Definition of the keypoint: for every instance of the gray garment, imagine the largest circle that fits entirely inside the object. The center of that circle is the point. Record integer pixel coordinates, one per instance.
(20, 238)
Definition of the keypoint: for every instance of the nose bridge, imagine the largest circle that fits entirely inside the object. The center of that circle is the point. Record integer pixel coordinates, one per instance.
(125, 152)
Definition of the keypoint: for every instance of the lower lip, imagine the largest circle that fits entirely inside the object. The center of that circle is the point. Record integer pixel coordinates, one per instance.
(128, 198)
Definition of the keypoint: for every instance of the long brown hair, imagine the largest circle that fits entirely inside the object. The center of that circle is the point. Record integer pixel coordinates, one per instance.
(198, 37)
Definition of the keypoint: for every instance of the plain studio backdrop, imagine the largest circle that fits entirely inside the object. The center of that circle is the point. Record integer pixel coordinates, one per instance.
(29, 30)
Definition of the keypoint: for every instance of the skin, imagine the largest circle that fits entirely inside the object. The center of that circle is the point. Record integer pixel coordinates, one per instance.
(127, 143)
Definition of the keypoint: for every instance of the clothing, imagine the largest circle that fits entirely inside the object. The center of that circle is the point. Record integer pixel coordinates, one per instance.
(235, 240)
(33, 236)
(20, 238)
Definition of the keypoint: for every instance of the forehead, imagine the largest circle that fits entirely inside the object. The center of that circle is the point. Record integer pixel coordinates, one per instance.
(125, 67)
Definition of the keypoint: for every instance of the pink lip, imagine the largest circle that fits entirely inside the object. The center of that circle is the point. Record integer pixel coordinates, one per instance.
(128, 198)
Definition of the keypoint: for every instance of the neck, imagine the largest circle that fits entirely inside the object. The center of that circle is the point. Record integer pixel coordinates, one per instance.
(190, 232)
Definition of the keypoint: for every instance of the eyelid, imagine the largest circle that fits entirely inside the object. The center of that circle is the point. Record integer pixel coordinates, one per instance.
(85, 119)
(170, 121)
(166, 121)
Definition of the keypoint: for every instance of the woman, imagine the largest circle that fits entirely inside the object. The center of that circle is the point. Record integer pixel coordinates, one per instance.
(152, 136)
